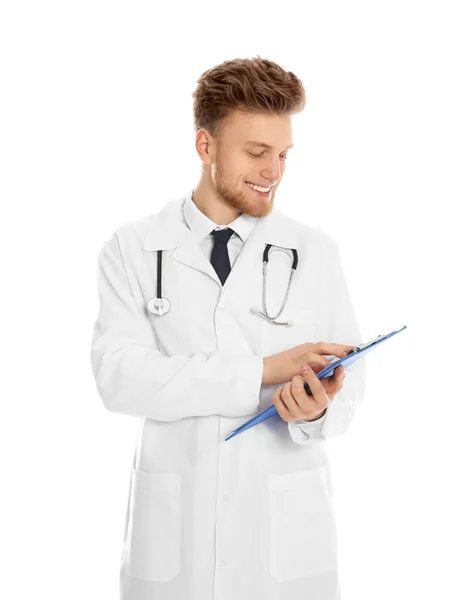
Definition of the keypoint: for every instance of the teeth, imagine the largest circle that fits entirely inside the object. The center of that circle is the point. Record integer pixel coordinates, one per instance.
(258, 188)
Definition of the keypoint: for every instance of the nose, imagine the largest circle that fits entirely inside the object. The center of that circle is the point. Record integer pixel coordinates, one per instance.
(272, 172)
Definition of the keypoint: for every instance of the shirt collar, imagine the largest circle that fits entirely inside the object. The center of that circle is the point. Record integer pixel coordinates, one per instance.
(201, 225)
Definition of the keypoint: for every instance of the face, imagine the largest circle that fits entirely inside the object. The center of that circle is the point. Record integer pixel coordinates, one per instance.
(252, 148)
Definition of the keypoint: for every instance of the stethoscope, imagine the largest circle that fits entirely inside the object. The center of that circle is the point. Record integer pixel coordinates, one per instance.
(160, 306)
(265, 314)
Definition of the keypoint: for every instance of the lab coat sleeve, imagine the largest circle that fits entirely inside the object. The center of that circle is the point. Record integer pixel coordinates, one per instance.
(343, 329)
(303, 432)
(134, 378)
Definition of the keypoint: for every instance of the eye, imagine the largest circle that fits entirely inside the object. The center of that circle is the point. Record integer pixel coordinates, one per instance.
(262, 154)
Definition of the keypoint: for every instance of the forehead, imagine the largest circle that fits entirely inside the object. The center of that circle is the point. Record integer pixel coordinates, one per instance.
(261, 130)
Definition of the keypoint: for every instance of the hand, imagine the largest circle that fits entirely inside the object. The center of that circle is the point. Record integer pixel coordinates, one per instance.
(293, 403)
(331, 384)
(283, 366)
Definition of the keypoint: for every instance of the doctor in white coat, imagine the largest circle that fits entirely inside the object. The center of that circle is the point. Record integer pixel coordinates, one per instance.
(251, 518)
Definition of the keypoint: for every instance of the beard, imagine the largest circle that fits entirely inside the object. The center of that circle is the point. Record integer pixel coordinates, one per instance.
(240, 196)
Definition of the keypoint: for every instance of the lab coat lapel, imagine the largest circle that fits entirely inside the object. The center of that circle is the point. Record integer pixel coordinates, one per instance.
(167, 231)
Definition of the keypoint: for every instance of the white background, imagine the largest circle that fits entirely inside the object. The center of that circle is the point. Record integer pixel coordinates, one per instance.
(96, 131)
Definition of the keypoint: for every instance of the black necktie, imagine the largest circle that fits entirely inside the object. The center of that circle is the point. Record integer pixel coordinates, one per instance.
(220, 257)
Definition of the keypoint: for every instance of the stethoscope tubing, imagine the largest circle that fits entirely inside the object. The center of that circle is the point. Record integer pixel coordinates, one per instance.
(291, 276)
(160, 306)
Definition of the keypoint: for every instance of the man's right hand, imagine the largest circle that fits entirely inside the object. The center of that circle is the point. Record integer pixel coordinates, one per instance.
(283, 366)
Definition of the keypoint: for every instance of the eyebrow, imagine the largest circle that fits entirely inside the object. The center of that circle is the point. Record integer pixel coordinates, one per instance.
(263, 145)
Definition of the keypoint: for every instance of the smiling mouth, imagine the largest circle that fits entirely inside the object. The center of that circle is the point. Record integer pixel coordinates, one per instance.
(263, 189)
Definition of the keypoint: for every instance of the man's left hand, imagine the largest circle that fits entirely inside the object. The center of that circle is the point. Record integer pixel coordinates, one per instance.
(293, 403)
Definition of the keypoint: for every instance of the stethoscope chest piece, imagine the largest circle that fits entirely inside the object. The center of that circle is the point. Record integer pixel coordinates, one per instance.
(159, 306)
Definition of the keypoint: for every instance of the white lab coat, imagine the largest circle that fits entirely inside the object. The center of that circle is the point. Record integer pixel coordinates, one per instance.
(253, 517)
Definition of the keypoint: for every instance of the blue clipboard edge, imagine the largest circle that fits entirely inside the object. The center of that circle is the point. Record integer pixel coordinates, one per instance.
(363, 348)
(324, 373)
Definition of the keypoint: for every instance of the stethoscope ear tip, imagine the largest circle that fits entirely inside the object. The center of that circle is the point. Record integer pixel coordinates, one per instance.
(290, 323)
(255, 310)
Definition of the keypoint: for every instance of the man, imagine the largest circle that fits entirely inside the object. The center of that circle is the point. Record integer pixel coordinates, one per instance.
(250, 518)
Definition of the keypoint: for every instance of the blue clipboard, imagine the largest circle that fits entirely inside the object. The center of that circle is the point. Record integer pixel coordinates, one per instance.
(355, 354)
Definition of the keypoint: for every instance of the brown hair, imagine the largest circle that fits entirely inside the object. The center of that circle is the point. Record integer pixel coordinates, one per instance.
(254, 85)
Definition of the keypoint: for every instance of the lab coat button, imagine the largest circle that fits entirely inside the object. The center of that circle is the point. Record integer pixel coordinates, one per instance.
(221, 308)
(222, 563)
(225, 497)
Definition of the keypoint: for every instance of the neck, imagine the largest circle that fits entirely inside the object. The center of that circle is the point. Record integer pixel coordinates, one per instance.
(208, 201)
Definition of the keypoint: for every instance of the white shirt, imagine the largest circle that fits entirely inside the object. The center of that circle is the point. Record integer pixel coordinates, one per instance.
(201, 226)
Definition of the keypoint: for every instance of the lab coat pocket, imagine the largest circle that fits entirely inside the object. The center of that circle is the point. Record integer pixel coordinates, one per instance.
(302, 525)
(152, 549)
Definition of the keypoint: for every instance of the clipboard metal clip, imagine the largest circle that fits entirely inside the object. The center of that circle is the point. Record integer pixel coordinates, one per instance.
(362, 346)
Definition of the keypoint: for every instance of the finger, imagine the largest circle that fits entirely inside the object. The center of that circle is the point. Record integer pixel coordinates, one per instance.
(303, 400)
(289, 400)
(339, 350)
(312, 358)
(334, 383)
(345, 347)
(316, 367)
(281, 406)
(307, 405)
(339, 372)
(316, 387)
